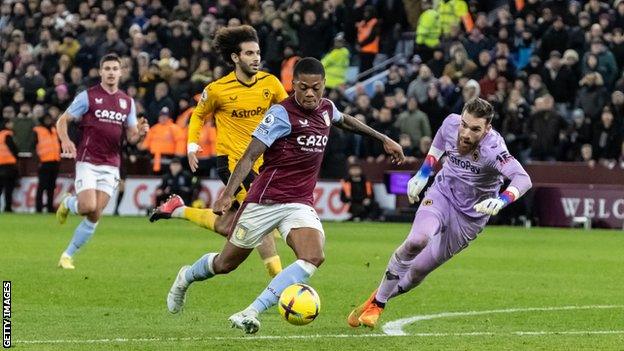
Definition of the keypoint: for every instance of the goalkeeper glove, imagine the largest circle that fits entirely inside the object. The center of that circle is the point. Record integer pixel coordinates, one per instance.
(418, 182)
(492, 206)
(415, 185)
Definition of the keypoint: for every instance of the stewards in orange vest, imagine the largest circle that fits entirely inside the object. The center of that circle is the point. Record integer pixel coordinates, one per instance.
(49, 154)
(288, 68)
(368, 38)
(357, 191)
(164, 141)
(8, 164)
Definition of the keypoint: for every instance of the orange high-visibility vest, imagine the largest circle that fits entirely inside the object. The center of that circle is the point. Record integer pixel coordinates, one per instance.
(468, 22)
(6, 157)
(48, 146)
(286, 74)
(165, 139)
(183, 118)
(346, 187)
(364, 31)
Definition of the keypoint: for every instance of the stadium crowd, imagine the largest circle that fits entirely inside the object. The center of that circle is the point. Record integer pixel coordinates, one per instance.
(553, 69)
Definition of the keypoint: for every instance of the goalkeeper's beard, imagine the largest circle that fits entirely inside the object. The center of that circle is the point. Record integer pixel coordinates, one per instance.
(465, 148)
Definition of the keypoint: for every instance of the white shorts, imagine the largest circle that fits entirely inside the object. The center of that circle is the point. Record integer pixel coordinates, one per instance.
(99, 177)
(258, 220)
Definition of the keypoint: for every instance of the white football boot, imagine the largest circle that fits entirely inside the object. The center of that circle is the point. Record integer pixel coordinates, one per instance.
(247, 320)
(177, 293)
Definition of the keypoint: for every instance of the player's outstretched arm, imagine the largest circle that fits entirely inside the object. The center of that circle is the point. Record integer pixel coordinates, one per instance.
(391, 147)
(242, 169)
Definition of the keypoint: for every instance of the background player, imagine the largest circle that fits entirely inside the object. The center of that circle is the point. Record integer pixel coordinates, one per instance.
(103, 112)
(238, 102)
(456, 207)
(292, 136)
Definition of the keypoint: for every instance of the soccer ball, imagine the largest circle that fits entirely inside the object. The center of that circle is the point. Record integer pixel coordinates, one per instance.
(299, 304)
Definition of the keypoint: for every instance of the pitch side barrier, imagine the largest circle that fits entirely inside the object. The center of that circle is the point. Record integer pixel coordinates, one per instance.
(562, 193)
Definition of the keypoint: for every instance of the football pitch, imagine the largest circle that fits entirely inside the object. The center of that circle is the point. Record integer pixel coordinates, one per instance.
(513, 288)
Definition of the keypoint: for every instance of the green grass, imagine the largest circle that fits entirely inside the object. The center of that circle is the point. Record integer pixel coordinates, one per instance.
(118, 290)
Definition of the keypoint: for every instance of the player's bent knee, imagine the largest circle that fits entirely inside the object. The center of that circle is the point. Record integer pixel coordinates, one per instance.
(416, 243)
(224, 267)
(222, 227)
(316, 260)
(94, 216)
(86, 209)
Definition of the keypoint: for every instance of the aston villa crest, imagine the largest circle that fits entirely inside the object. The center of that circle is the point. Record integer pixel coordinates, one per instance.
(326, 118)
(123, 104)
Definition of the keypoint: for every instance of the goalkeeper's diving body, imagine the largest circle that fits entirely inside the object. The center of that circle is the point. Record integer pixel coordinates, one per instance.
(237, 103)
(455, 208)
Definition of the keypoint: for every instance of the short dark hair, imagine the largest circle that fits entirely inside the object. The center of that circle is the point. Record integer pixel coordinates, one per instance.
(479, 108)
(228, 40)
(309, 65)
(110, 57)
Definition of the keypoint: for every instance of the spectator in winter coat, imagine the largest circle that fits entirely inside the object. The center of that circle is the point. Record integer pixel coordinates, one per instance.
(607, 140)
(546, 127)
(413, 122)
(592, 96)
(460, 66)
(418, 87)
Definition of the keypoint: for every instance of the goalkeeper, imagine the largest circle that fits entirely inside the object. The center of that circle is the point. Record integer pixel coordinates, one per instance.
(455, 209)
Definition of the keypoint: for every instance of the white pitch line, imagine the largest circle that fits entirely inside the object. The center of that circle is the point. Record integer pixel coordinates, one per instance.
(396, 327)
(315, 336)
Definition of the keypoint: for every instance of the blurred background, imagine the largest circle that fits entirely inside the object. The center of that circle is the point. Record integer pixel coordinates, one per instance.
(552, 69)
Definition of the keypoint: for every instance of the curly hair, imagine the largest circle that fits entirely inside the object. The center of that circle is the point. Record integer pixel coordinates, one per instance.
(228, 40)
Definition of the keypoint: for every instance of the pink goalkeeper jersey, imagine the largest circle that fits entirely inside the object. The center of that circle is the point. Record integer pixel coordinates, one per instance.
(469, 179)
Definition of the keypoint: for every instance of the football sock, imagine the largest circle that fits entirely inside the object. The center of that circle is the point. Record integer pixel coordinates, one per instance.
(420, 267)
(203, 217)
(425, 225)
(398, 265)
(298, 272)
(273, 265)
(82, 234)
(71, 202)
(379, 304)
(178, 212)
(201, 269)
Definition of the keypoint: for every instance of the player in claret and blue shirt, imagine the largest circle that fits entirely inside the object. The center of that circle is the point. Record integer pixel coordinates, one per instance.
(456, 207)
(292, 136)
(103, 113)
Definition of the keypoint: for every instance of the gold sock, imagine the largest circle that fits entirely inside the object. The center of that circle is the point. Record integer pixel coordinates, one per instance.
(204, 217)
(273, 264)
